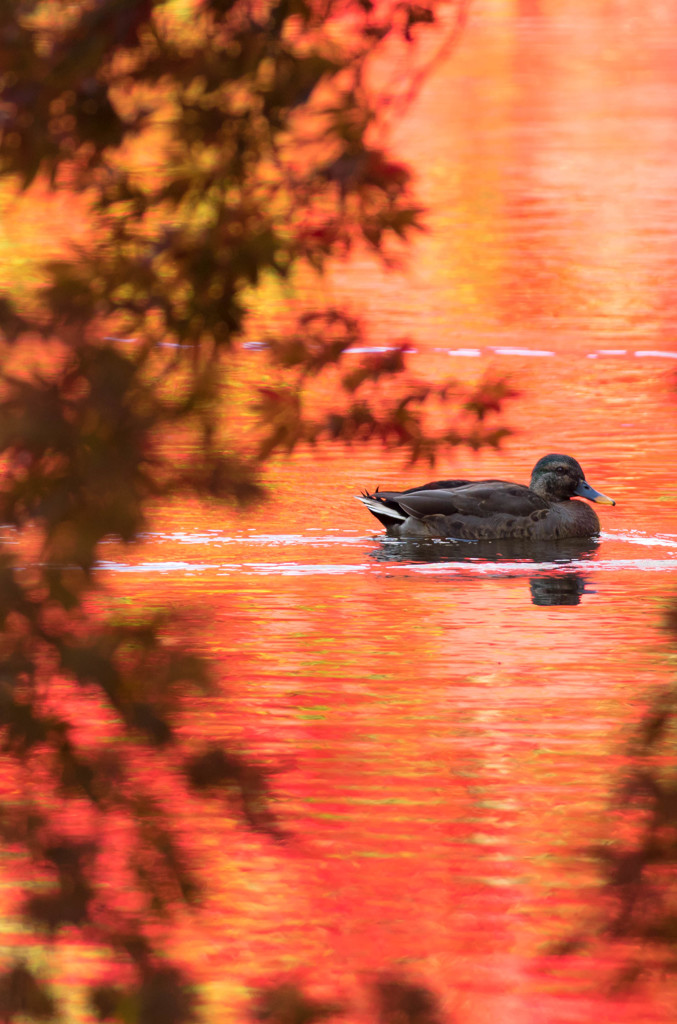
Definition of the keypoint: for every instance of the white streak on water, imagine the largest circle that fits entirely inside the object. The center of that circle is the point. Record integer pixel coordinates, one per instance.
(659, 354)
(176, 567)
(521, 568)
(509, 351)
(664, 540)
(274, 539)
(369, 349)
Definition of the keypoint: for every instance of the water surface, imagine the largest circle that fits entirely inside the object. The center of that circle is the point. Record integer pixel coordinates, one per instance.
(447, 722)
(446, 725)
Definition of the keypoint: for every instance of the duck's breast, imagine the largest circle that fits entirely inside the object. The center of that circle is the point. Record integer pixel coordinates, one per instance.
(567, 519)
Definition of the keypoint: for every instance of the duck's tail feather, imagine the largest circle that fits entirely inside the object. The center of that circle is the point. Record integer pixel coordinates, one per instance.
(379, 508)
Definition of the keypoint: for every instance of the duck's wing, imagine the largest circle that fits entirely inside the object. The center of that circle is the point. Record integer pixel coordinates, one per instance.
(449, 497)
(479, 499)
(391, 498)
(436, 485)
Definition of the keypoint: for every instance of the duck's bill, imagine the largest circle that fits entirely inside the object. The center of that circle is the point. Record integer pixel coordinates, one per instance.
(584, 490)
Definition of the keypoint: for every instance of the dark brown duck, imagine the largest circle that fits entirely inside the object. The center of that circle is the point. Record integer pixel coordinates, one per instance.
(494, 509)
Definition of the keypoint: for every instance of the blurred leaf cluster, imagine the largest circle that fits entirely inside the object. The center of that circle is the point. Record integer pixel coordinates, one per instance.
(639, 863)
(214, 145)
(393, 999)
(638, 859)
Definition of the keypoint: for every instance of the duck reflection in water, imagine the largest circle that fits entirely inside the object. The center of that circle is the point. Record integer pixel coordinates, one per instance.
(562, 588)
(490, 510)
(544, 562)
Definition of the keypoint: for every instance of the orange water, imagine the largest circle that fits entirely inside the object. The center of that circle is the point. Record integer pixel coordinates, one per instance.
(445, 736)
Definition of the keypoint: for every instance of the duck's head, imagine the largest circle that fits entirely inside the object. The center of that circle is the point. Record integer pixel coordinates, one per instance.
(558, 477)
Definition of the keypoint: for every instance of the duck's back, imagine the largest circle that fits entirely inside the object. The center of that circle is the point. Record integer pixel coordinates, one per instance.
(483, 499)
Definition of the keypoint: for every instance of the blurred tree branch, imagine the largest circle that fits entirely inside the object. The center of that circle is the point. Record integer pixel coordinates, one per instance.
(213, 145)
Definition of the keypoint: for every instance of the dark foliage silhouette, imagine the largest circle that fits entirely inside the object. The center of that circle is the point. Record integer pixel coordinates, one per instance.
(266, 157)
(637, 862)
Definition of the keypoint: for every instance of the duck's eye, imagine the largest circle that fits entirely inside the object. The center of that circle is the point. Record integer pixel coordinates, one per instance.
(560, 469)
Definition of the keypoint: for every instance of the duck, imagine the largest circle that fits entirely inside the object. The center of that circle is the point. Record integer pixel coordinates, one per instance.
(494, 509)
